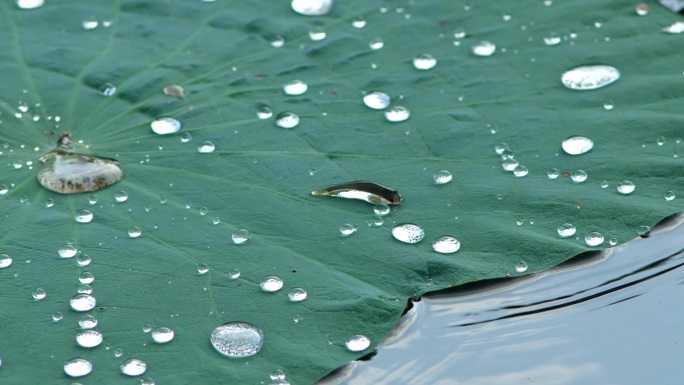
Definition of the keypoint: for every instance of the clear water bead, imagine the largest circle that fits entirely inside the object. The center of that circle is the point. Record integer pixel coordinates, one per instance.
(120, 196)
(408, 233)
(240, 236)
(287, 120)
(357, 343)
(82, 302)
(87, 322)
(397, 114)
(509, 164)
(237, 339)
(39, 294)
(484, 48)
(297, 294)
(134, 232)
(641, 9)
(578, 176)
(295, 87)
(57, 316)
(566, 230)
(86, 277)
(424, 62)
(89, 23)
(376, 43)
(5, 261)
(271, 284)
(381, 209)
(312, 7)
(676, 27)
(520, 171)
(133, 367)
(521, 267)
(206, 147)
(625, 187)
(162, 335)
(593, 239)
(78, 367)
(553, 173)
(347, 229)
(108, 89)
(67, 251)
(552, 39)
(577, 145)
(89, 338)
(202, 269)
(446, 244)
(264, 112)
(316, 34)
(377, 100)
(234, 274)
(83, 216)
(165, 126)
(643, 230)
(442, 177)
(670, 195)
(590, 77)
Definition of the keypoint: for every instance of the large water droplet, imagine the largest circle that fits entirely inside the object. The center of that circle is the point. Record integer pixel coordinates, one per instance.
(442, 177)
(237, 339)
(424, 62)
(30, 4)
(206, 147)
(165, 126)
(566, 230)
(446, 244)
(89, 338)
(5, 261)
(593, 239)
(484, 48)
(408, 233)
(676, 27)
(295, 87)
(271, 283)
(625, 187)
(377, 100)
(162, 335)
(287, 120)
(590, 77)
(357, 343)
(577, 145)
(83, 216)
(70, 173)
(78, 367)
(67, 251)
(240, 236)
(397, 114)
(133, 367)
(578, 176)
(312, 7)
(297, 294)
(82, 302)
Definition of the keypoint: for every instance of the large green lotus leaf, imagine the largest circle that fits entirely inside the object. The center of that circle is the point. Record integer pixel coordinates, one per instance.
(259, 176)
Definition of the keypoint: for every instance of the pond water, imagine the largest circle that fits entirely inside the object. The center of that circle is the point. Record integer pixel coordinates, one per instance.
(601, 318)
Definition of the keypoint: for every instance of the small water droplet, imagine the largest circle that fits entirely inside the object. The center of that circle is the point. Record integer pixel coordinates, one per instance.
(676, 27)
(174, 90)
(234, 274)
(202, 268)
(566, 230)
(216, 220)
(552, 39)
(108, 89)
(590, 77)
(670, 195)
(608, 105)
(297, 294)
(316, 34)
(39, 294)
(660, 140)
(92, 199)
(78, 367)
(147, 381)
(643, 230)
(287, 120)
(442, 177)
(578, 176)
(86, 277)
(240, 236)
(277, 41)
(484, 48)
(3, 189)
(67, 251)
(89, 338)
(397, 114)
(521, 267)
(120, 196)
(82, 302)
(5, 261)
(295, 87)
(162, 335)
(625, 187)
(348, 229)
(612, 241)
(312, 7)
(459, 33)
(577, 145)
(83, 216)
(604, 183)
(359, 22)
(83, 260)
(593, 239)
(118, 352)
(134, 232)
(237, 339)
(520, 171)
(446, 244)
(271, 284)
(381, 209)
(357, 343)
(408, 233)
(206, 147)
(90, 23)
(377, 100)
(29, 4)
(424, 62)
(553, 173)
(185, 137)
(376, 43)
(165, 126)
(87, 322)
(133, 367)
(57, 316)
(264, 111)
(509, 164)
(641, 9)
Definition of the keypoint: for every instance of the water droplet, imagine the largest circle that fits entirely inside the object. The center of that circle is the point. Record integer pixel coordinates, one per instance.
(295, 87)
(237, 339)
(521, 267)
(578, 176)
(287, 120)
(625, 187)
(459, 33)
(670, 195)
(120, 196)
(264, 111)
(643, 230)
(593, 239)
(641, 9)
(424, 62)
(612, 241)
(147, 381)
(577, 145)
(590, 77)
(78, 367)
(69, 173)
(312, 7)
(359, 22)
(348, 229)
(377, 100)
(134, 232)
(376, 43)
(271, 283)
(357, 343)
(82, 302)
(509, 164)
(57, 316)
(5, 261)
(552, 39)
(87, 322)
(316, 34)
(3, 189)
(30, 4)
(240, 236)
(133, 367)
(520, 171)
(83, 216)
(174, 90)
(206, 147)
(660, 140)
(108, 89)
(234, 274)
(604, 183)
(88, 338)
(442, 177)
(165, 126)
(67, 251)
(92, 199)
(553, 173)
(185, 137)
(118, 352)
(408, 233)
(147, 327)
(446, 244)
(39, 294)
(83, 260)
(202, 268)
(608, 105)
(86, 277)
(566, 230)
(216, 220)
(90, 23)
(297, 294)
(162, 335)
(677, 27)
(397, 114)
(381, 209)
(484, 48)
(277, 41)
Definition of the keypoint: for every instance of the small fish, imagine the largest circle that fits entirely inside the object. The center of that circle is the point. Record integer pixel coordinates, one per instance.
(362, 189)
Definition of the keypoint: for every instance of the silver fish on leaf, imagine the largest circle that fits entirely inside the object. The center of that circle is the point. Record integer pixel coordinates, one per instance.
(364, 190)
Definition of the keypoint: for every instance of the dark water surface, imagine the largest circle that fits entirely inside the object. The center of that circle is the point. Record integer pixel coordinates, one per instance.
(612, 318)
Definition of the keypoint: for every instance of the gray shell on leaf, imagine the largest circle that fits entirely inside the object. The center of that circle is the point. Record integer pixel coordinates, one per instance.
(70, 173)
